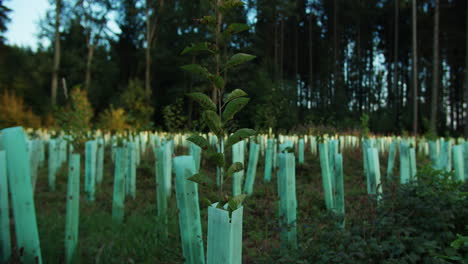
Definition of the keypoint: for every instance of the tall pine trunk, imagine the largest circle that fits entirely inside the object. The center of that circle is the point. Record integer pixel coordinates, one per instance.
(148, 52)
(466, 74)
(276, 45)
(415, 71)
(359, 63)
(435, 71)
(335, 53)
(89, 61)
(311, 61)
(281, 51)
(151, 30)
(56, 65)
(395, 60)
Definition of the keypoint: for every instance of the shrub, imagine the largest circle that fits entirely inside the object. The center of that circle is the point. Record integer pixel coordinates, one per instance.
(15, 112)
(75, 117)
(173, 116)
(113, 119)
(48, 120)
(414, 223)
(134, 101)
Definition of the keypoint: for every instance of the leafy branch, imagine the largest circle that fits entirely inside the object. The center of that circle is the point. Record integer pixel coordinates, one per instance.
(216, 112)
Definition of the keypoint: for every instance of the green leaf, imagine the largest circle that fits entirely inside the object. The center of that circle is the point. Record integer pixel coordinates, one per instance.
(218, 81)
(215, 157)
(236, 201)
(207, 20)
(236, 28)
(235, 167)
(238, 59)
(226, 5)
(235, 94)
(213, 121)
(203, 100)
(197, 69)
(206, 201)
(459, 242)
(199, 141)
(201, 179)
(233, 107)
(197, 48)
(239, 135)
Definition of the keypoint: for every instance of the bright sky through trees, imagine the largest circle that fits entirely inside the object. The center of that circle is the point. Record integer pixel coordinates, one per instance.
(25, 15)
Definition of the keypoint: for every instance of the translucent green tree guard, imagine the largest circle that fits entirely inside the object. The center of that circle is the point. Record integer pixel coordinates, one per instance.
(130, 180)
(34, 153)
(136, 146)
(238, 156)
(62, 145)
(252, 167)
(189, 211)
(412, 161)
(268, 160)
(286, 144)
(339, 191)
(465, 159)
(90, 169)
(73, 208)
(404, 163)
(287, 201)
(52, 163)
(219, 175)
(434, 154)
(224, 236)
(275, 155)
(301, 151)
(41, 152)
(118, 206)
(374, 171)
(391, 160)
(445, 155)
(100, 161)
(161, 198)
(458, 162)
(169, 149)
(326, 176)
(5, 236)
(332, 151)
(19, 178)
(195, 152)
(371, 185)
(366, 144)
(313, 145)
(142, 140)
(113, 149)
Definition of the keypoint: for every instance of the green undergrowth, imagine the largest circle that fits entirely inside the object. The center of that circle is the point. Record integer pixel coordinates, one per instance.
(413, 223)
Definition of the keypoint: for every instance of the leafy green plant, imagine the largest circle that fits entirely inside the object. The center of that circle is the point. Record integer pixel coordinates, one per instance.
(217, 112)
(113, 119)
(134, 101)
(365, 126)
(75, 118)
(431, 132)
(460, 246)
(174, 119)
(420, 222)
(15, 112)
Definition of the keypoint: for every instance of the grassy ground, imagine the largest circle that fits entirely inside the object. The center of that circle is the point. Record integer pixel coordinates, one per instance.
(138, 239)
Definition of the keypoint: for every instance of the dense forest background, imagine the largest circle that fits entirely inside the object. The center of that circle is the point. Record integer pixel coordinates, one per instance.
(319, 62)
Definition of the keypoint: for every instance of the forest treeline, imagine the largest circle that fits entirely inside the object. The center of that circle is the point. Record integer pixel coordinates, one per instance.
(319, 62)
